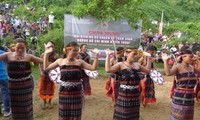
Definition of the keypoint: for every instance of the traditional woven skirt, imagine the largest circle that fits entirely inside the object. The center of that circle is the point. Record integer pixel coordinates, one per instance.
(108, 87)
(183, 97)
(112, 87)
(86, 83)
(127, 105)
(21, 99)
(115, 86)
(70, 103)
(149, 93)
(182, 105)
(47, 87)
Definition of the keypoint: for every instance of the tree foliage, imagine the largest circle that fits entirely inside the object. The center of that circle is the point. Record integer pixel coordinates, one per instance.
(109, 10)
(182, 15)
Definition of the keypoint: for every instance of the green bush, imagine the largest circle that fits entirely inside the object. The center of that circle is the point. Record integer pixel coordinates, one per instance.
(55, 35)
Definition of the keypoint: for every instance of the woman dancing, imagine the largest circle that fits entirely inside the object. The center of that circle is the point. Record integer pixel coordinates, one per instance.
(86, 80)
(112, 84)
(71, 91)
(47, 87)
(183, 93)
(148, 90)
(128, 100)
(20, 80)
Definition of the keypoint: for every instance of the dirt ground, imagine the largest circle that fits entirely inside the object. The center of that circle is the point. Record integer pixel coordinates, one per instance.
(98, 106)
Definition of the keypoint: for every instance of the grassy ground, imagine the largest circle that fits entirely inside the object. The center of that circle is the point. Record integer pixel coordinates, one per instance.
(98, 92)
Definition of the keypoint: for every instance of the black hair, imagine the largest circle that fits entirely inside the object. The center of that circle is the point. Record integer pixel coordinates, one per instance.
(82, 45)
(151, 47)
(119, 48)
(184, 50)
(72, 44)
(2, 48)
(19, 40)
(52, 42)
(69, 45)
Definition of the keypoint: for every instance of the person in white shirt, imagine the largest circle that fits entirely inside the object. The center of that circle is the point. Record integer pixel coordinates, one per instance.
(51, 20)
(17, 22)
(173, 49)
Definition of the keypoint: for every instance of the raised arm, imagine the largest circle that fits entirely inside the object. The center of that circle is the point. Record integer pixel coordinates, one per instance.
(36, 59)
(147, 68)
(47, 66)
(95, 62)
(108, 67)
(168, 71)
(4, 56)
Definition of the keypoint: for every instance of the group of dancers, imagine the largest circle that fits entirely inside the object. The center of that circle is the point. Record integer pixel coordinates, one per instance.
(129, 83)
(21, 83)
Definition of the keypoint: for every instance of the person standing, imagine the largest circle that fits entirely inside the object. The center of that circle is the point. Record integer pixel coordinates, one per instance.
(86, 80)
(148, 89)
(47, 87)
(4, 87)
(182, 106)
(51, 20)
(71, 90)
(20, 83)
(113, 80)
(128, 100)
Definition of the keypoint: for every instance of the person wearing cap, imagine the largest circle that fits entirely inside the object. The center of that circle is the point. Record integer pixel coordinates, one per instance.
(128, 100)
(20, 80)
(148, 90)
(112, 85)
(182, 106)
(51, 20)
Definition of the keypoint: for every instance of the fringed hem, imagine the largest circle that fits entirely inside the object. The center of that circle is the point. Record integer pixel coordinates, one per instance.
(108, 88)
(41, 89)
(147, 101)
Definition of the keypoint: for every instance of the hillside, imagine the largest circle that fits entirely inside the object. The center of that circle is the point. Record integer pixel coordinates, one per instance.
(182, 15)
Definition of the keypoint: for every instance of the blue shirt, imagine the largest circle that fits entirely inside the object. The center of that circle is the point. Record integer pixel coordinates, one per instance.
(3, 71)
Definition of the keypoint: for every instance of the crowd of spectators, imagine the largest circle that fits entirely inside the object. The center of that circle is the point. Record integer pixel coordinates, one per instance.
(15, 27)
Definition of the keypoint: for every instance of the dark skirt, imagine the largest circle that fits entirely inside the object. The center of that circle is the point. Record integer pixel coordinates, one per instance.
(149, 93)
(21, 99)
(86, 83)
(70, 103)
(127, 105)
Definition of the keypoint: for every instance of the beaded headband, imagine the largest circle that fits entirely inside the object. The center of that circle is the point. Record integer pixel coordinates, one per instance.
(120, 51)
(76, 47)
(191, 55)
(70, 47)
(131, 50)
(20, 45)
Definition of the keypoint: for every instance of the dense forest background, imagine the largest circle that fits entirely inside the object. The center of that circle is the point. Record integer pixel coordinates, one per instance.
(179, 15)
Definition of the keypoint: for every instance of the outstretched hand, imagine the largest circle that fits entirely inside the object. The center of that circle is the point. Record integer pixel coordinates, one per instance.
(48, 48)
(95, 50)
(146, 54)
(108, 51)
